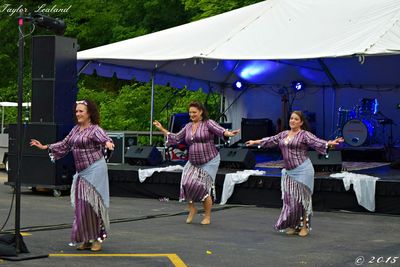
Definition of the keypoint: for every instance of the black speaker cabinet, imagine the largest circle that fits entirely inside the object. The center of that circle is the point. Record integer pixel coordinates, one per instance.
(54, 79)
(36, 168)
(254, 129)
(331, 162)
(122, 142)
(237, 158)
(143, 155)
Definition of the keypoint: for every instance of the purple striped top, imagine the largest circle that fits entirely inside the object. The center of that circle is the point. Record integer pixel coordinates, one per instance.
(201, 144)
(86, 145)
(295, 152)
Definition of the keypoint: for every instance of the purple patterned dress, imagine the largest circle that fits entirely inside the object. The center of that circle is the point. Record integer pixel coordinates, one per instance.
(89, 191)
(297, 177)
(198, 176)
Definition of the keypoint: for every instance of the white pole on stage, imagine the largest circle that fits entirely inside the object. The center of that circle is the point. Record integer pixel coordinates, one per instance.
(152, 108)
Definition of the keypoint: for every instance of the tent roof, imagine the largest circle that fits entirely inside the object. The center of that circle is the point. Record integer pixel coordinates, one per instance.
(268, 36)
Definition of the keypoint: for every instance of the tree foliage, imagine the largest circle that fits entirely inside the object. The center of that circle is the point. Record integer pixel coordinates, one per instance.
(124, 105)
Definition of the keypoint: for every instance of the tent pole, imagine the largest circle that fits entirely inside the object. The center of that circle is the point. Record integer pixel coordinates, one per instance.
(152, 108)
(222, 104)
(335, 86)
(84, 67)
(2, 120)
(233, 102)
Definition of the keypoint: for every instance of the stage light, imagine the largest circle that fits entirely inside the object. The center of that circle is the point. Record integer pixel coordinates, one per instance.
(238, 85)
(56, 25)
(298, 85)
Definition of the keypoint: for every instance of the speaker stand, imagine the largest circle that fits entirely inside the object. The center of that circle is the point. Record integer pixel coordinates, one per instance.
(19, 243)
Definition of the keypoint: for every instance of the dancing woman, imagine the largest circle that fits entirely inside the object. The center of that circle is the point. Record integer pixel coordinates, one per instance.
(297, 182)
(89, 190)
(198, 176)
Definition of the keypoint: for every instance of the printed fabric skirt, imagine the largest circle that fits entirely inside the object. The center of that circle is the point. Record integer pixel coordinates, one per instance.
(197, 182)
(91, 221)
(297, 203)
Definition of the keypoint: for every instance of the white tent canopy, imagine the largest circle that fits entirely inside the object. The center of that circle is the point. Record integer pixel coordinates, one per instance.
(325, 43)
(219, 49)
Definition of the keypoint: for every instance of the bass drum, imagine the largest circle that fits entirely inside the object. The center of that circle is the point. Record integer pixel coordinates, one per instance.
(358, 132)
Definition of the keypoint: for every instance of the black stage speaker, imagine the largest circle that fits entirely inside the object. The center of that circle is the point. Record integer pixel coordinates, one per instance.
(331, 162)
(54, 79)
(143, 155)
(36, 168)
(254, 129)
(122, 142)
(237, 158)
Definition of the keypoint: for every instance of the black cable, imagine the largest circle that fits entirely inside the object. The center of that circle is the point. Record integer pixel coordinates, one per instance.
(13, 196)
(9, 212)
(120, 220)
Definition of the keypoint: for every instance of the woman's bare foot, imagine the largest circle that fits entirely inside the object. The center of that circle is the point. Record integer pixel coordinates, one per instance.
(291, 231)
(206, 221)
(191, 215)
(303, 232)
(96, 246)
(84, 246)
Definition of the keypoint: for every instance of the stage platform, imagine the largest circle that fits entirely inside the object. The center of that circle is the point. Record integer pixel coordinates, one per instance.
(329, 193)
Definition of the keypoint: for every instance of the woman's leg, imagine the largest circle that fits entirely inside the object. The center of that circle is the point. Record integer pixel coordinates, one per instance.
(207, 204)
(192, 212)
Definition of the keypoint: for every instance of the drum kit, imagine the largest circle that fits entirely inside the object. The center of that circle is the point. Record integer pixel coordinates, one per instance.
(361, 125)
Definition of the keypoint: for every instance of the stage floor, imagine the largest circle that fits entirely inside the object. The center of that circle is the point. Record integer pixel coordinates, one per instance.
(329, 193)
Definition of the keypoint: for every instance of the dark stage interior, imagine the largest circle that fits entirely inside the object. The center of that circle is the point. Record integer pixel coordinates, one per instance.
(329, 193)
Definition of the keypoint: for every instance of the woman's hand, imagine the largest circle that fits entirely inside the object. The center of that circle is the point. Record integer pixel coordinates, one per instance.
(110, 145)
(158, 125)
(37, 144)
(228, 133)
(252, 143)
(333, 143)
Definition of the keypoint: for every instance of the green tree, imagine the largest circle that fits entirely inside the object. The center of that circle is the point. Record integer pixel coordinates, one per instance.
(200, 9)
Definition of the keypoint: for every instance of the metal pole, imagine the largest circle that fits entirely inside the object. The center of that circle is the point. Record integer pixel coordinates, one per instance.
(19, 131)
(2, 120)
(152, 108)
(222, 104)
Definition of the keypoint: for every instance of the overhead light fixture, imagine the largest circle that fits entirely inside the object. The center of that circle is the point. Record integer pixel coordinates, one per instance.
(238, 85)
(298, 85)
(58, 26)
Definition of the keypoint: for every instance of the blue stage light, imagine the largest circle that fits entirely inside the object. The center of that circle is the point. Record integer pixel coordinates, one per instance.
(298, 85)
(238, 85)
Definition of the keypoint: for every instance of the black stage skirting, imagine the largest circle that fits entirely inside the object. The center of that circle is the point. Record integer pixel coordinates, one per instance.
(329, 193)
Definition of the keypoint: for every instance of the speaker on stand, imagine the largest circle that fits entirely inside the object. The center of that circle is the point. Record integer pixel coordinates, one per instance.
(54, 90)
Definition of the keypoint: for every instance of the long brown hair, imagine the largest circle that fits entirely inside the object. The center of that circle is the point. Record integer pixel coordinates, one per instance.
(92, 110)
(201, 107)
(302, 118)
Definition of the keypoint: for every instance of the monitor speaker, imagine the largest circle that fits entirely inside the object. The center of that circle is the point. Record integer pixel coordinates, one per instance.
(237, 158)
(331, 162)
(143, 155)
